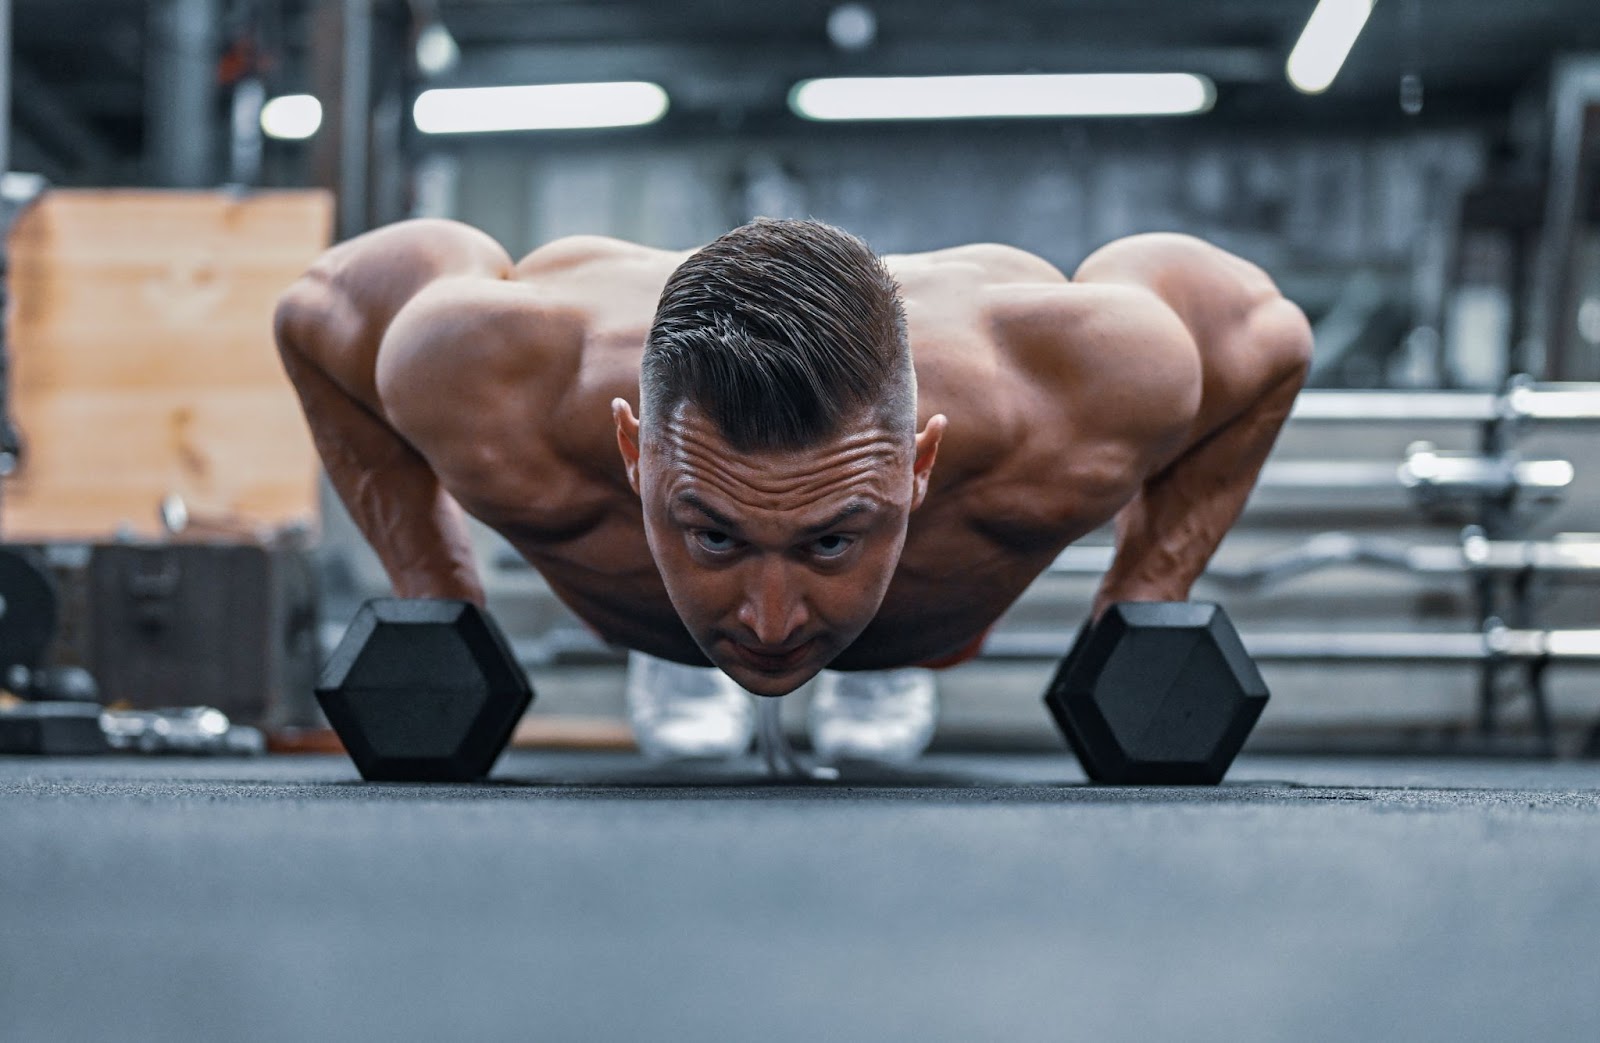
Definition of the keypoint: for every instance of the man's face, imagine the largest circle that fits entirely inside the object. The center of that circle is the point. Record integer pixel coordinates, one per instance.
(775, 561)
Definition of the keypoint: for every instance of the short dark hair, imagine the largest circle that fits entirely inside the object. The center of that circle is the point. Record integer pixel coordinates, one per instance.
(780, 332)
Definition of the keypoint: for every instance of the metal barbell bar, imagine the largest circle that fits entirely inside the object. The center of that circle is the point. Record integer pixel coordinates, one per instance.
(1564, 402)
(1496, 643)
(1571, 555)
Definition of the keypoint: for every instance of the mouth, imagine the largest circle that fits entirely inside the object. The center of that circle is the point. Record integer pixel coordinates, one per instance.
(772, 662)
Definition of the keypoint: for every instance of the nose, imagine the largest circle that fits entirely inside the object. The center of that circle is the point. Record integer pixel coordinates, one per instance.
(773, 608)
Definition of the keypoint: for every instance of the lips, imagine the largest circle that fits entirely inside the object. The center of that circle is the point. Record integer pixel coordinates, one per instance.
(771, 663)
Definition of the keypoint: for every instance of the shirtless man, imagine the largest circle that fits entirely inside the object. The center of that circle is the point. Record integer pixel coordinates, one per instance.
(781, 453)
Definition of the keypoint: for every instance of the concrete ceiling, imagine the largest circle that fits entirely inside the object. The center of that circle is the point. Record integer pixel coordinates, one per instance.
(1481, 47)
(80, 64)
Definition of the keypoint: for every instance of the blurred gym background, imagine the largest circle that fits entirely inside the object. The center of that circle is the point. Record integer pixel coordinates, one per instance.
(1417, 571)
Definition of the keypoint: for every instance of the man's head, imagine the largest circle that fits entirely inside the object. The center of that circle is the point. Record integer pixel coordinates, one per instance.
(777, 454)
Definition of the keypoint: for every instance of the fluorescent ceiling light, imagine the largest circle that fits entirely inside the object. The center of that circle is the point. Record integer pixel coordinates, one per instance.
(551, 106)
(975, 97)
(1324, 43)
(852, 27)
(293, 117)
(437, 52)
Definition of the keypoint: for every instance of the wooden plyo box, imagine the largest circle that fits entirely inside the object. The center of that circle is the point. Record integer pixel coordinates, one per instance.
(142, 361)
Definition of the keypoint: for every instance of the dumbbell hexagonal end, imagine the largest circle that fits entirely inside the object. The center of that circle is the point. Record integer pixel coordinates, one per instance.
(423, 690)
(1159, 693)
(1070, 677)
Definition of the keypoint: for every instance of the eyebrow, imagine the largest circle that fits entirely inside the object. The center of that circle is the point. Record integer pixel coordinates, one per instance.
(689, 499)
(849, 510)
(858, 505)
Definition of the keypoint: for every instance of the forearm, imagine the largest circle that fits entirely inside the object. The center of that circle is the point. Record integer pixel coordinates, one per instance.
(394, 497)
(329, 326)
(417, 530)
(1254, 348)
(1168, 533)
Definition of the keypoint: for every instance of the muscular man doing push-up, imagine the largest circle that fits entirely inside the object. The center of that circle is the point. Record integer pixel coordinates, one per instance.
(782, 453)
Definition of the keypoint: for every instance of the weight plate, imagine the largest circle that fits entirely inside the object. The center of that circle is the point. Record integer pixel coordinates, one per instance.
(28, 608)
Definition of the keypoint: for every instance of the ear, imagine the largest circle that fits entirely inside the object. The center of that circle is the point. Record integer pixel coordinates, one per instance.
(627, 439)
(927, 449)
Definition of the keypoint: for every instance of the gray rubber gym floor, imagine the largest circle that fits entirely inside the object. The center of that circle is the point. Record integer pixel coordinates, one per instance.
(975, 898)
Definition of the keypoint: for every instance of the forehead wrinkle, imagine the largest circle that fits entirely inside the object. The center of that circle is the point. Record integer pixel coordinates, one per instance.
(864, 484)
(686, 425)
(807, 474)
(683, 433)
(741, 496)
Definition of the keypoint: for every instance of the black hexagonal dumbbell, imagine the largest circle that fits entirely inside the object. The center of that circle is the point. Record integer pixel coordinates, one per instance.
(1157, 692)
(423, 691)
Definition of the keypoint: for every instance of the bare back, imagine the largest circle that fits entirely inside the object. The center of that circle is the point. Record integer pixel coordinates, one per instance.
(1061, 398)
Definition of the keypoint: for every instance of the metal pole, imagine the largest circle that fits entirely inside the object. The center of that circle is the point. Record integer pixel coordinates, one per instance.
(1555, 402)
(341, 71)
(1575, 89)
(1475, 555)
(1497, 645)
(10, 441)
(355, 107)
(1395, 406)
(244, 138)
(325, 45)
(181, 77)
(5, 86)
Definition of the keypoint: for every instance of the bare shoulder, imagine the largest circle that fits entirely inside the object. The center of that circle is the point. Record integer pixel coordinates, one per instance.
(374, 274)
(467, 363)
(983, 263)
(428, 245)
(577, 250)
(1112, 381)
(1214, 292)
(336, 314)
(1171, 261)
(1249, 335)
(1097, 338)
(469, 331)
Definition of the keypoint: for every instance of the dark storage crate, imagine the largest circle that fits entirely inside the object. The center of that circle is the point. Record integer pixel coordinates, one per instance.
(229, 625)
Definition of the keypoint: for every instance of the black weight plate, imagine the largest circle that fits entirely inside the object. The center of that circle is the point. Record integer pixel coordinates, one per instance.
(28, 608)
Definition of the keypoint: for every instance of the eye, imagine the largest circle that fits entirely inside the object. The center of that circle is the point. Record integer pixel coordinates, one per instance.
(714, 541)
(832, 545)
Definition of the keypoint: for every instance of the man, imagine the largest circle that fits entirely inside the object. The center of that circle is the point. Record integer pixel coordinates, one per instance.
(781, 453)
